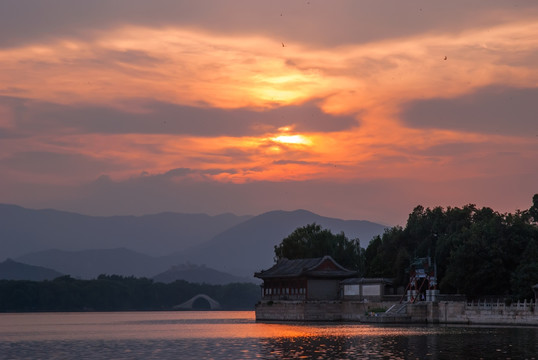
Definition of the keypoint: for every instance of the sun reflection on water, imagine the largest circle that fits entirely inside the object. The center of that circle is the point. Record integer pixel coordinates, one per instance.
(236, 335)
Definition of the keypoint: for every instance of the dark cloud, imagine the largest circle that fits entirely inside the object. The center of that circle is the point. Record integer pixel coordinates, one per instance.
(294, 162)
(51, 163)
(165, 118)
(178, 172)
(218, 171)
(491, 110)
(453, 149)
(230, 153)
(27, 21)
(133, 63)
(182, 172)
(12, 90)
(131, 57)
(308, 117)
(301, 162)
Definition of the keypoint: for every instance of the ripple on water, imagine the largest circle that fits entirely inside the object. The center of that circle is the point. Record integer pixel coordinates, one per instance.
(221, 335)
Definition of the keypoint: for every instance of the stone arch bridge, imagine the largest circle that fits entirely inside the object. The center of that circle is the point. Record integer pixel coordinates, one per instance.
(187, 305)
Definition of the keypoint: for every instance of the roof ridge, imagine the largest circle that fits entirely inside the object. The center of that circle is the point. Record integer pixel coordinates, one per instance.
(300, 267)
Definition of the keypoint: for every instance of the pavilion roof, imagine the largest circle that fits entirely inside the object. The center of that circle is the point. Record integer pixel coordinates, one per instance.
(325, 267)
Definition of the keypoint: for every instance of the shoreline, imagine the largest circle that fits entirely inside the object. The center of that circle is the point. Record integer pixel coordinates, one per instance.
(424, 312)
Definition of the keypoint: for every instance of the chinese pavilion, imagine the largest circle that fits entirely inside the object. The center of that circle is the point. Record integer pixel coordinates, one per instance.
(304, 279)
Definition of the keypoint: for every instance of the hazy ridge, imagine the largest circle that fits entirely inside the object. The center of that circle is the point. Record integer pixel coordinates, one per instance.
(85, 246)
(13, 270)
(26, 230)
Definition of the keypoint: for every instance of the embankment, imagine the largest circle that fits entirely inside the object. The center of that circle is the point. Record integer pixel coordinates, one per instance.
(440, 312)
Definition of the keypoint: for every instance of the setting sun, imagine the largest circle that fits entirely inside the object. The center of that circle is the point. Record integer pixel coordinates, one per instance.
(292, 139)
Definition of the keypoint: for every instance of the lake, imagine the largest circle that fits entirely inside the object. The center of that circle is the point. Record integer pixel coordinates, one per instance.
(236, 335)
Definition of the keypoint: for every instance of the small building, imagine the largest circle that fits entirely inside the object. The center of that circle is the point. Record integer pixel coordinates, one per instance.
(304, 279)
(369, 289)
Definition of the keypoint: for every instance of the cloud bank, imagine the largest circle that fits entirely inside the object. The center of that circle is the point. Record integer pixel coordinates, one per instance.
(360, 109)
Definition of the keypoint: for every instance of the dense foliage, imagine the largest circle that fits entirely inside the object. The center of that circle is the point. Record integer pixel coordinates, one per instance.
(117, 293)
(477, 251)
(311, 241)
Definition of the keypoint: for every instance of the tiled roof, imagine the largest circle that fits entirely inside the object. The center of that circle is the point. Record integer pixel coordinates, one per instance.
(304, 267)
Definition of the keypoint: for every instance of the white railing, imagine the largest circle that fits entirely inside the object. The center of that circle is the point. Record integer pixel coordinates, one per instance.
(521, 305)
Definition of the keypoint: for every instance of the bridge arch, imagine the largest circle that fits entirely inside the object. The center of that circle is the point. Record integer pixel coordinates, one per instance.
(187, 305)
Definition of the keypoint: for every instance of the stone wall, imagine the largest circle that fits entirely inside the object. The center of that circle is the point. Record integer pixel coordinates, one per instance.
(520, 313)
(359, 310)
(460, 312)
(444, 312)
(317, 310)
(299, 311)
(323, 311)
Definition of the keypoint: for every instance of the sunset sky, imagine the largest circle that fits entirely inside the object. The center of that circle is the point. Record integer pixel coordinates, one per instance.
(351, 109)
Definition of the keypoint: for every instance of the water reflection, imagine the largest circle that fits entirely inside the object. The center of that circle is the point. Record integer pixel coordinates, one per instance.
(499, 343)
(235, 335)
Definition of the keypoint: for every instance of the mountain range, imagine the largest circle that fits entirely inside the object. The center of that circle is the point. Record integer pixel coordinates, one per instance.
(86, 246)
(13, 270)
(199, 274)
(249, 246)
(26, 230)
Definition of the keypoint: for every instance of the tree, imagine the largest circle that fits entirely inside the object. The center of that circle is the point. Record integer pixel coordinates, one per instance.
(478, 251)
(311, 241)
(526, 274)
(477, 265)
(384, 252)
(533, 211)
(117, 293)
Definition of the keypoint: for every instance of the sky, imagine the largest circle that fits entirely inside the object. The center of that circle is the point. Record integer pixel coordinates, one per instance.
(357, 109)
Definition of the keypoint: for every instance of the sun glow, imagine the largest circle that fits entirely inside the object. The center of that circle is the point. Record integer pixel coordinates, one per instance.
(185, 67)
(292, 139)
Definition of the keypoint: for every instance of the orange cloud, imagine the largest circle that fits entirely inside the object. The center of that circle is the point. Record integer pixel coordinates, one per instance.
(190, 67)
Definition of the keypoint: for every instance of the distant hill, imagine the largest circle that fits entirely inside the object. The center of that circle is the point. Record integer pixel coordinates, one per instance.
(200, 275)
(88, 264)
(249, 246)
(25, 230)
(148, 245)
(12, 270)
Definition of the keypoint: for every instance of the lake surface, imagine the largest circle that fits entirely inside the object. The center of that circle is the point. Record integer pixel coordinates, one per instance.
(236, 335)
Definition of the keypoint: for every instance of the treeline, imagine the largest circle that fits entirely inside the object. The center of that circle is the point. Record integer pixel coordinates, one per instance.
(477, 251)
(118, 293)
